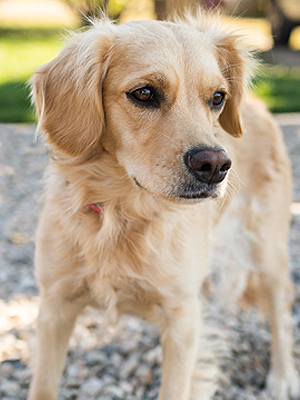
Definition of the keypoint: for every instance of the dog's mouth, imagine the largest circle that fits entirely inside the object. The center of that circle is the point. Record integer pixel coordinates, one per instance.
(202, 193)
(197, 195)
(138, 183)
(211, 191)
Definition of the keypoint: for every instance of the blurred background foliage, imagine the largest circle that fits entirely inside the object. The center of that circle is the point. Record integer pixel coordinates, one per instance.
(32, 32)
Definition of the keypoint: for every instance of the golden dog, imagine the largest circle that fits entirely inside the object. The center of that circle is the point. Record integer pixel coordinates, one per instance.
(145, 123)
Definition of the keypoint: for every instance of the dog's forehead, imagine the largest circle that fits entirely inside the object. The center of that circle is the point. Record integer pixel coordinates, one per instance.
(149, 45)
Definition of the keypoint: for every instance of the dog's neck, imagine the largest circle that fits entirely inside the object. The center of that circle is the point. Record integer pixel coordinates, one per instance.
(102, 185)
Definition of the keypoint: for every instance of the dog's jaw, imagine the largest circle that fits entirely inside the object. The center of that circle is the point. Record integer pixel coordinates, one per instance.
(184, 194)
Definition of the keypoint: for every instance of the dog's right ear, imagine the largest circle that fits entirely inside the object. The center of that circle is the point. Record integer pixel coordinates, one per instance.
(67, 91)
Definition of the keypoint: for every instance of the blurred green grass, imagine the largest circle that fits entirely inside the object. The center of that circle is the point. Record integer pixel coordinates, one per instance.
(23, 50)
(279, 87)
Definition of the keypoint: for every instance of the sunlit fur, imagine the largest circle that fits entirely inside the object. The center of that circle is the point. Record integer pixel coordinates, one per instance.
(149, 252)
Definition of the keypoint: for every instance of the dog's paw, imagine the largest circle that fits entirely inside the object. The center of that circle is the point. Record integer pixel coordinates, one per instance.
(284, 387)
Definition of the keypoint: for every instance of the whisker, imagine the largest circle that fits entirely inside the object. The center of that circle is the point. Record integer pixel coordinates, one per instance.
(227, 67)
(234, 171)
(118, 180)
(235, 8)
(173, 140)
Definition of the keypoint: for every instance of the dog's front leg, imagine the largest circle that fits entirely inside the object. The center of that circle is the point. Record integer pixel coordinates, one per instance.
(179, 338)
(55, 324)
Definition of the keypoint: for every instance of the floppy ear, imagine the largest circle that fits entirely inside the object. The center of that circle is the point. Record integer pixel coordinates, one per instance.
(68, 91)
(234, 63)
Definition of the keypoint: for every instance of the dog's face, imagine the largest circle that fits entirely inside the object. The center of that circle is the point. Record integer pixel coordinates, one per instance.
(150, 94)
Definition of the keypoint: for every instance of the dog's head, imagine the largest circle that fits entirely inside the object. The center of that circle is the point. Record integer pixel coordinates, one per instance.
(149, 94)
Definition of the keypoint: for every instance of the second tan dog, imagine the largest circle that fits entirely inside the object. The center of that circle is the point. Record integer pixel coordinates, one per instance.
(148, 169)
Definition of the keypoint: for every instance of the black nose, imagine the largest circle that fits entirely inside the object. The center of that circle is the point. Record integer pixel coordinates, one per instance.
(210, 165)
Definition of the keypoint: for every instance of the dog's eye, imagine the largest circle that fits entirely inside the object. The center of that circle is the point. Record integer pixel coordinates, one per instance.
(218, 99)
(145, 96)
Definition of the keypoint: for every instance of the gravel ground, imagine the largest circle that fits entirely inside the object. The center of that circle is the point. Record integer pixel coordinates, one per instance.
(105, 362)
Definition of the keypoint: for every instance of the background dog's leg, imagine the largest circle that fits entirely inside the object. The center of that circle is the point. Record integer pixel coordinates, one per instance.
(180, 338)
(283, 381)
(55, 324)
(274, 290)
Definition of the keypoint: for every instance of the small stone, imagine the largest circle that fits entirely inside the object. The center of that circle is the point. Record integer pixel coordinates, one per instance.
(127, 387)
(102, 398)
(73, 370)
(72, 383)
(115, 391)
(91, 387)
(6, 369)
(10, 388)
(85, 397)
(27, 283)
(23, 376)
(65, 394)
(142, 370)
(128, 346)
(116, 360)
(139, 392)
(108, 379)
(144, 373)
(129, 367)
(20, 238)
(153, 356)
(95, 357)
(134, 324)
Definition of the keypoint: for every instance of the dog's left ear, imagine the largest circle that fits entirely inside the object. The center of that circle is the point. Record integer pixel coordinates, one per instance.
(234, 61)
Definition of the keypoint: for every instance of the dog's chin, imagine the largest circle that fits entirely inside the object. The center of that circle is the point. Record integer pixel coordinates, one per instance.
(188, 196)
